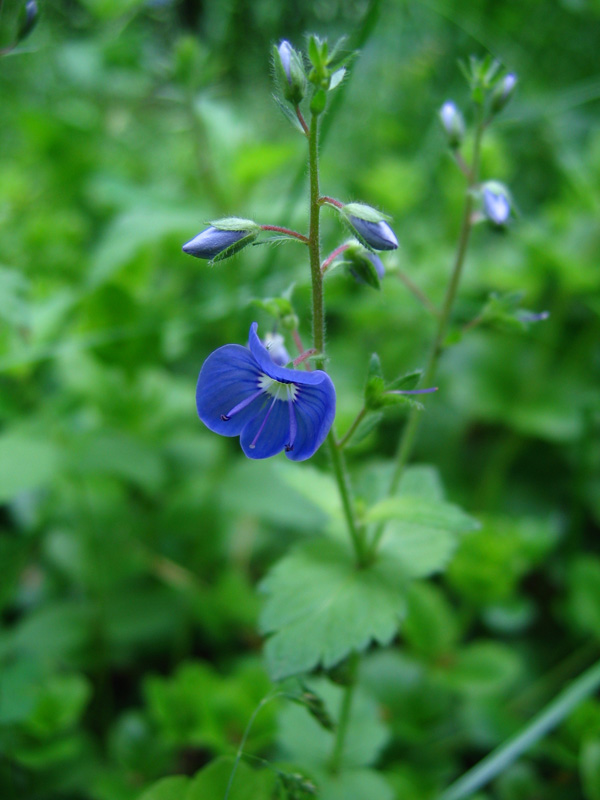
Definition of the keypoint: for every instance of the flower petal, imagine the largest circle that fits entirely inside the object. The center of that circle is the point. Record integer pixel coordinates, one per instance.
(228, 377)
(315, 410)
(273, 437)
(282, 374)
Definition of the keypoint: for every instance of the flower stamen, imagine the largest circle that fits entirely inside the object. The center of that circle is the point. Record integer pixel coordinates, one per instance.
(240, 406)
(264, 422)
(293, 427)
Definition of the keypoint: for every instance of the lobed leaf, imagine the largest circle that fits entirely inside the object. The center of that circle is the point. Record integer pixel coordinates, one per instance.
(320, 607)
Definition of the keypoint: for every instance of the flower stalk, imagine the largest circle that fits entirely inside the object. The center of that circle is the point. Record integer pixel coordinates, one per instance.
(318, 320)
(411, 428)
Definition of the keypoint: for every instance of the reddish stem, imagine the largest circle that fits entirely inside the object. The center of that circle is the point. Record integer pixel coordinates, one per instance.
(332, 256)
(331, 201)
(303, 356)
(302, 121)
(300, 346)
(286, 231)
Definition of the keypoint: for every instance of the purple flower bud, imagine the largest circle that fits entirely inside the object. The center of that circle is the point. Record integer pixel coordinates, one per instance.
(377, 235)
(290, 70)
(453, 124)
(285, 54)
(364, 266)
(275, 344)
(502, 93)
(28, 18)
(496, 203)
(214, 242)
(532, 316)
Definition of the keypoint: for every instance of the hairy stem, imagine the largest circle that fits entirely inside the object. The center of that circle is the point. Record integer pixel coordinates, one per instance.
(287, 231)
(409, 433)
(332, 256)
(352, 429)
(318, 321)
(335, 761)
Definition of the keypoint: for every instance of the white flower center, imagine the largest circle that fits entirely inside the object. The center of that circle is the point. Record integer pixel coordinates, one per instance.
(276, 389)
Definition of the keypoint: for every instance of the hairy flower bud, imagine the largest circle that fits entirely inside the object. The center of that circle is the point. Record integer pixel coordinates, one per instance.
(290, 71)
(502, 93)
(369, 227)
(453, 124)
(224, 238)
(364, 266)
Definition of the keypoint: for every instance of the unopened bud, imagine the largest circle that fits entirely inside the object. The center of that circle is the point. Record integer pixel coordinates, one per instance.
(502, 93)
(364, 266)
(453, 124)
(28, 18)
(369, 226)
(224, 238)
(290, 71)
(496, 203)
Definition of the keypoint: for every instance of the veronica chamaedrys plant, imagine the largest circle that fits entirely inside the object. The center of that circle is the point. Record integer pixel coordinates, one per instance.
(244, 392)
(333, 596)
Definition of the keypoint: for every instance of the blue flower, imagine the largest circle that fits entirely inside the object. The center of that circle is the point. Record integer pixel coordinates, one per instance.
(243, 392)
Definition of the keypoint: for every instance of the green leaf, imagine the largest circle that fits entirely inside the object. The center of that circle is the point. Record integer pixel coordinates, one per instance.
(320, 607)
(304, 741)
(584, 595)
(484, 667)
(172, 788)
(235, 224)
(405, 382)
(316, 486)
(430, 627)
(14, 308)
(589, 767)
(59, 705)
(288, 113)
(25, 463)
(235, 247)
(422, 481)
(212, 782)
(418, 512)
(355, 784)
(368, 424)
(363, 211)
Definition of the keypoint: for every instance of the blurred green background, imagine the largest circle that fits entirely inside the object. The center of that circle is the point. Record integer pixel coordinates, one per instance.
(131, 538)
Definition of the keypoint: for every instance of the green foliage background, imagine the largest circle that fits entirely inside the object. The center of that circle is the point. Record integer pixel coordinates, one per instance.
(132, 540)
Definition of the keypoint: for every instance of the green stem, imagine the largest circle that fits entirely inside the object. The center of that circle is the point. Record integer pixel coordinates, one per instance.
(412, 425)
(497, 761)
(343, 482)
(335, 761)
(314, 243)
(318, 322)
(352, 429)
